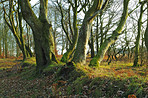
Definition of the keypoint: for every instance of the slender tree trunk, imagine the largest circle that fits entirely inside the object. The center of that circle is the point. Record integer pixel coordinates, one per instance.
(11, 24)
(17, 50)
(108, 42)
(71, 49)
(6, 44)
(101, 29)
(97, 42)
(54, 33)
(23, 48)
(138, 37)
(0, 46)
(146, 33)
(142, 52)
(3, 53)
(63, 43)
(92, 44)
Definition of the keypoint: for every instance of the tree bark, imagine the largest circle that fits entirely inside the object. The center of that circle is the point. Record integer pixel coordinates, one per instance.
(108, 42)
(146, 33)
(101, 29)
(136, 57)
(5, 40)
(0, 47)
(84, 34)
(10, 21)
(92, 44)
(44, 42)
(71, 49)
(97, 37)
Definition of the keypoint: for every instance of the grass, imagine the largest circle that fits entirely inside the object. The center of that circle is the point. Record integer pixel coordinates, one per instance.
(117, 80)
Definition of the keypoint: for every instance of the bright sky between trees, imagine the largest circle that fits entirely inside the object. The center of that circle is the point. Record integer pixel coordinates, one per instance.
(33, 1)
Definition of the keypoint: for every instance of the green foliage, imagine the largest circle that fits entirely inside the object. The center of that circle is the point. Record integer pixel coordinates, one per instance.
(69, 90)
(29, 62)
(94, 62)
(65, 58)
(79, 83)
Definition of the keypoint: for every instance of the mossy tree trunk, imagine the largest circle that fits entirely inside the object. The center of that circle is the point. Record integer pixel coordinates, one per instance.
(74, 31)
(108, 42)
(23, 48)
(84, 34)
(5, 39)
(14, 22)
(101, 29)
(0, 46)
(136, 57)
(92, 44)
(146, 33)
(44, 42)
(97, 37)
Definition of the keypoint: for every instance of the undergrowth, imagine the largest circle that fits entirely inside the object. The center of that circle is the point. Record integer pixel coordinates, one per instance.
(110, 81)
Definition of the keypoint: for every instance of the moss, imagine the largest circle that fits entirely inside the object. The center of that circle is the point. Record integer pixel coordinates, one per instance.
(79, 83)
(29, 62)
(94, 81)
(65, 58)
(50, 69)
(94, 62)
(69, 90)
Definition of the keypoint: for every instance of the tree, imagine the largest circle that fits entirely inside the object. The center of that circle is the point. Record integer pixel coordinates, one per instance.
(73, 28)
(146, 31)
(13, 19)
(138, 35)
(84, 34)
(109, 41)
(6, 29)
(43, 39)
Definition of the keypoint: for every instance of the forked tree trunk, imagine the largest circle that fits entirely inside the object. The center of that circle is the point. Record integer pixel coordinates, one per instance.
(84, 34)
(44, 42)
(71, 49)
(136, 57)
(11, 24)
(108, 42)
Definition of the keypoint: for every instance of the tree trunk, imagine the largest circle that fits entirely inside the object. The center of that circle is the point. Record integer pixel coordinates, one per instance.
(136, 57)
(146, 37)
(101, 29)
(6, 43)
(80, 53)
(0, 47)
(92, 44)
(146, 33)
(13, 25)
(108, 42)
(44, 42)
(22, 45)
(3, 53)
(17, 50)
(97, 42)
(71, 49)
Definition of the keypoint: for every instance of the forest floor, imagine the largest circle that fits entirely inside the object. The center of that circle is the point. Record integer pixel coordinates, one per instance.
(117, 80)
